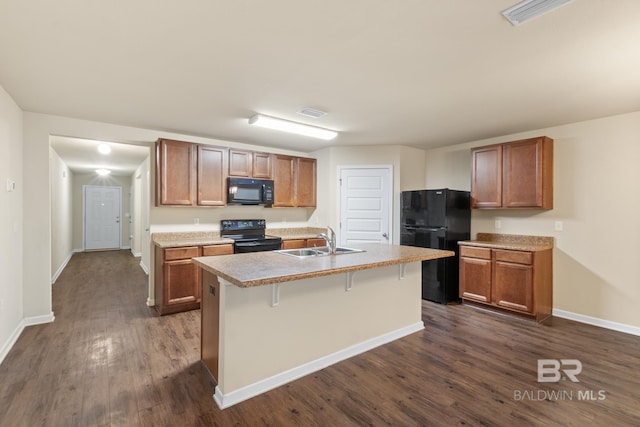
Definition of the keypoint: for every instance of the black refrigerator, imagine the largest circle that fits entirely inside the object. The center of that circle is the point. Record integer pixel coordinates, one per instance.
(436, 219)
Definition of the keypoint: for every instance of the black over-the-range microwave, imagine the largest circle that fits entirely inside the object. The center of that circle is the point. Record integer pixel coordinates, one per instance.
(248, 191)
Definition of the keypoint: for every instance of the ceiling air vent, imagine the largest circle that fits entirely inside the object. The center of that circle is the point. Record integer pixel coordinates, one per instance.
(312, 112)
(530, 9)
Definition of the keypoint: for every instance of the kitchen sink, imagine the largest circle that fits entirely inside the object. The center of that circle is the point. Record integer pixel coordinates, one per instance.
(319, 251)
(343, 250)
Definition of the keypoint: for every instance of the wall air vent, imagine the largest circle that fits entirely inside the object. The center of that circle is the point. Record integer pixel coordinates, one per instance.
(312, 112)
(530, 9)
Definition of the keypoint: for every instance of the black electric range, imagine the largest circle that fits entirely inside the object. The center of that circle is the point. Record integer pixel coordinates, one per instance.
(248, 235)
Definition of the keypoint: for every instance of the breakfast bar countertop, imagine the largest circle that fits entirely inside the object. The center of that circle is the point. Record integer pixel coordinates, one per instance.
(512, 242)
(264, 268)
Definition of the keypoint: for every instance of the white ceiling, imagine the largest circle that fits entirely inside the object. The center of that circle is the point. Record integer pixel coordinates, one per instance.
(424, 73)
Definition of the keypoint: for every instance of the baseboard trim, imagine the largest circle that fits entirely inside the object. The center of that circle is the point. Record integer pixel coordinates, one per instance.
(151, 302)
(225, 400)
(28, 321)
(62, 266)
(595, 321)
(136, 254)
(144, 268)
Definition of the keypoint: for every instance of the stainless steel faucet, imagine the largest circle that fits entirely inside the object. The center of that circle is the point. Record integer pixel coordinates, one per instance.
(330, 238)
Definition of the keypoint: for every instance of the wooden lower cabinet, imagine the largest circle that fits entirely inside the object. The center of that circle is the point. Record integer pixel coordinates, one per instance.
(475, 275)
(177, 279)
(518, 282)
(303, 243)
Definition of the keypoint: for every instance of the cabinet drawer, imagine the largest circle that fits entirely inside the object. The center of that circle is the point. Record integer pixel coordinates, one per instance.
(517, 257)
(217, 250)
(180, 253)
(472, 252)
(294, 243)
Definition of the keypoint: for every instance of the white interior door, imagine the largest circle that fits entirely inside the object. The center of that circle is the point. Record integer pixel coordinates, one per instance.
(366, 195)
(102, 227)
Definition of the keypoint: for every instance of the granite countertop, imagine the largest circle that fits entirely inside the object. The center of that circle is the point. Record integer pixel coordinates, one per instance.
(511, 241)
(204, 238)
(189, 238)
(264, 268)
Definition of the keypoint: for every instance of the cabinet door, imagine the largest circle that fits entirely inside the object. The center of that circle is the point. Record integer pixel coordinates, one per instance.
(306, 182)
(513, 286)
(284, 181)
(262, 165)
(522, 180)
(526, 175)
(181, 283)
(175, 177)
(486, 177)
(475, 279)
(211, 175)
(240, 163)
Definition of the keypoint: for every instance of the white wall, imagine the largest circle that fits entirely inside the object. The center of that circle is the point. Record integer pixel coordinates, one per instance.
(596, 197)
(408, 173)
(11, 223)
(61, 182)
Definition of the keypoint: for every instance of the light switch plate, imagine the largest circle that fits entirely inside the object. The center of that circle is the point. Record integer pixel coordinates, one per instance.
(11, 185)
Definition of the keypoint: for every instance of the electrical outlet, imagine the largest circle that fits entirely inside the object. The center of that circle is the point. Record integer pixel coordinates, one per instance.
(498, 224)
(196, 221)
(559, 226)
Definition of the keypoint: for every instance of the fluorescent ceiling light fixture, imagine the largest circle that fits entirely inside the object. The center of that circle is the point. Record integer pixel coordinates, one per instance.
(292, 127)
(103, 172)
(530, 9)
(104, 148)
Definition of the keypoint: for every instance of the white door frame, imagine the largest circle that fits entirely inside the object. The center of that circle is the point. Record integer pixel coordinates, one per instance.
(389, 168)
(84, 213)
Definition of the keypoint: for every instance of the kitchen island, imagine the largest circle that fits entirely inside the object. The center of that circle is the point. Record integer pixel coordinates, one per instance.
(270, 318)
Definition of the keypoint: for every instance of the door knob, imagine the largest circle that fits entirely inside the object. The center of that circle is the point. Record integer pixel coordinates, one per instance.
(385, 235)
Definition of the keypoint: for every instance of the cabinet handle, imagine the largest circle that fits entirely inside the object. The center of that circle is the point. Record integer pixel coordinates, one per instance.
(212, 290)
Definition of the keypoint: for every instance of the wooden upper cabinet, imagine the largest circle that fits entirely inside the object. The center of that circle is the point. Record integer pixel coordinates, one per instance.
(516, 174)
(250, 164)
(211, 175)
(486, 177)
(528, 174)
(284, 181)
(240, 163)
(294, 181)
(262, 165)
(175, 181)
(306, 182)
(190, 174)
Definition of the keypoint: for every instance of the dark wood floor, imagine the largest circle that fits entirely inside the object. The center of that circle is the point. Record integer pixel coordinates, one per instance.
(109, 360)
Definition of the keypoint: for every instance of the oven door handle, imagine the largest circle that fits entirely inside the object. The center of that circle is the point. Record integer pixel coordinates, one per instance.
(247, 244)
